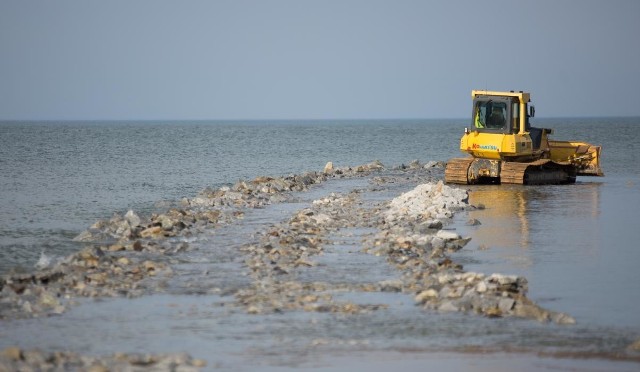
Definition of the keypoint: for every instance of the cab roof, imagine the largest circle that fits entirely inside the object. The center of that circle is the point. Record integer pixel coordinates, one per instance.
(522, 96)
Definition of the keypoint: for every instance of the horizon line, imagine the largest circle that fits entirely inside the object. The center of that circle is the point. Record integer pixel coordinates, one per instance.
(298, 119)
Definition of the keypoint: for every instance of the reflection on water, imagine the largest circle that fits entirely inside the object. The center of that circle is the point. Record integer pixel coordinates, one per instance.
(574, 243)
(528, 226)
(509, 209)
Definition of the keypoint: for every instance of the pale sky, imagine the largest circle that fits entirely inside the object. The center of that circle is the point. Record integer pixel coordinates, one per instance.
(329, 59)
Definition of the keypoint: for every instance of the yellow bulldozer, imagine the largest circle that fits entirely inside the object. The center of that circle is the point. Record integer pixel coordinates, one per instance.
(505, 148)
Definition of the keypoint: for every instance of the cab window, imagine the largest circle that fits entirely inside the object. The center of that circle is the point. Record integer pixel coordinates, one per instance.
(490, 115)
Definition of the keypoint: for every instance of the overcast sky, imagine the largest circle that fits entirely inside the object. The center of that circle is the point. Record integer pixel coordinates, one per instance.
(294, 59)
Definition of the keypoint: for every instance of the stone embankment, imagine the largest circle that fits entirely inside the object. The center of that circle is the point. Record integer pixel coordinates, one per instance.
(286, 249)
(411, 237)
(127, 254)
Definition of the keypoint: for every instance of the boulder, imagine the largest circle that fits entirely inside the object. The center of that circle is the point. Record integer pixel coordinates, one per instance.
(448, 235)
(152, 232)
(328, 169)
(426, 202)
(12, 353)
(132, 218)
(473, 222)
(426, 295)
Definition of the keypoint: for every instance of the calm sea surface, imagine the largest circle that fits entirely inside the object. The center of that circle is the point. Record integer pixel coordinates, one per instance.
(56, 179)
(576, 244)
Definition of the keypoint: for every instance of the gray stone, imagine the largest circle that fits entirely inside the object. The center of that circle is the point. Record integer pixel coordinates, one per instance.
(448, 306)
(437, 243)
(391, 285)
(562, 318)
(506, 304)
(473, 222)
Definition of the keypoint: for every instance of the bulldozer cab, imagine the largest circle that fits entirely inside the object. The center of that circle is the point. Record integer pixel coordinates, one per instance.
(492, 114)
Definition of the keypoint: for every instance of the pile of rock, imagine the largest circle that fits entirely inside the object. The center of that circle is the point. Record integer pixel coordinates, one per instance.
(121, 265)
(214, 206)
(412, 237)
(291, 246)
(413, 241)
(428, 201)
(16, 359)
(174, 222)
(91, 272)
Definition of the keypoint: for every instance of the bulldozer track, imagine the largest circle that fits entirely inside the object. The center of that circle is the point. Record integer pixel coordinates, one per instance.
(512, 172)
(457, 171)
(539, 172)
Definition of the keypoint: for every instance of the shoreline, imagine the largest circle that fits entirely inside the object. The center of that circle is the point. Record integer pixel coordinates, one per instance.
(132, 256)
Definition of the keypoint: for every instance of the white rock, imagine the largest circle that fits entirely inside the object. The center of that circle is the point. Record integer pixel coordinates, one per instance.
(423, 296)
(427, 201)
(328, 168)
(481, 287)
(562, 318)
(447, 235)
(503, 279)
(26, 307)
(445, 278)
(43, 262)
(132, 218)
(321, 218)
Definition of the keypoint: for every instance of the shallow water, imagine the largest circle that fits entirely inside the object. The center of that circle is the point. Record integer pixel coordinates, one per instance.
(56, 179)
(198, 315)
(574, 243)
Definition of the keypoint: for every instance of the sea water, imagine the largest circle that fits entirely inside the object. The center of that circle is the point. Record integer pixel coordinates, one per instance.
(57, 178)
(576, 244)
